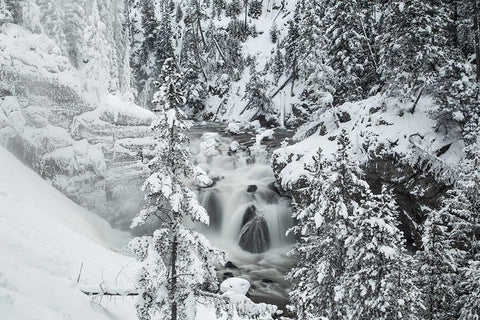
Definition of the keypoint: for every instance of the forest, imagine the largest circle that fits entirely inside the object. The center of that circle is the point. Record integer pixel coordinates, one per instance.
(239, 159)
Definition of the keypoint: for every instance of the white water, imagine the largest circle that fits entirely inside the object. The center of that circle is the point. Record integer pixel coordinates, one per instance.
(228, 200)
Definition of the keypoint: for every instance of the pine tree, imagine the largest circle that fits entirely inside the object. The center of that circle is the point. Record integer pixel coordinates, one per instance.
(324, 224)
(379, 283)
(413, 46)
(5, 14)
(470, 303)
(255, 94)
(75, 24)
(255, 9)
(439, 264)
(177, 263)
(468, 199)
(97, 53)
(351, 48)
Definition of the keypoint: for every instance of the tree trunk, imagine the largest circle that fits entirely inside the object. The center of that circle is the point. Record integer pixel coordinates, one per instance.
(294, 76)
(477, 37)
(174, 311)
(245, 2)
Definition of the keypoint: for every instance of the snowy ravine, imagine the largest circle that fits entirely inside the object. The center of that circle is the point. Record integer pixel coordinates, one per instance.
(51, 249)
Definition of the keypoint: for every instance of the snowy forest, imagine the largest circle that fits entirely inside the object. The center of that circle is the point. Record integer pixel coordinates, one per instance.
(239, 159)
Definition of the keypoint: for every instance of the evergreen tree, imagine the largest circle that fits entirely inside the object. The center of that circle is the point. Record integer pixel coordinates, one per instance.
(177, 263)
(413, 45)
(233, 9)
(470, 302)
(351, 48)
(438, 263)
(5, 14)
(150, 26)
(277, 66)
(324, 225)
(379, 283)
(97, 53)
(75, 24)
(255, 94)
(274, 33)
(255, 9)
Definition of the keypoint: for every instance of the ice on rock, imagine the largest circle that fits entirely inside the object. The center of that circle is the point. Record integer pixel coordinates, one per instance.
(235, 286)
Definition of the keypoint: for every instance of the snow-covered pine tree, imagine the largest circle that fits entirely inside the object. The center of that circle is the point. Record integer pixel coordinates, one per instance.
(256, 94)
(53, 21)
(470, 302)
(456, 94)
(5, 14)
(75, 24)
(97, 53)
(469, 197)
(412, 46)
(177, 262)
(13, 10)
(324, 224)
(150, 26)
(379, 279)
(351, 48)
(438, 265)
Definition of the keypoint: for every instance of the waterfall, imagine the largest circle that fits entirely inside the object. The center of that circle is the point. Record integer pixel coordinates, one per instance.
(249, 215)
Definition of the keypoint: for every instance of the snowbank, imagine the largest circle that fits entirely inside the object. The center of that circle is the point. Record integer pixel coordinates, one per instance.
(44, 239)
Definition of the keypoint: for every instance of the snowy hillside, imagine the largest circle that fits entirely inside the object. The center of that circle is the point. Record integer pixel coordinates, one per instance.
(44, 239)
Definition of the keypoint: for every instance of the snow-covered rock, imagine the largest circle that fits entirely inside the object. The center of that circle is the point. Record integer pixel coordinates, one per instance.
(89, 145)
(235, 286)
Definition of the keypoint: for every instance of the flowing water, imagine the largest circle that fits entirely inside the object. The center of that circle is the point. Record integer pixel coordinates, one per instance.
(249, 213)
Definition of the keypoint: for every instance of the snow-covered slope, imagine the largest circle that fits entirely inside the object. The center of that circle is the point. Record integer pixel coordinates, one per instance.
(44, 239)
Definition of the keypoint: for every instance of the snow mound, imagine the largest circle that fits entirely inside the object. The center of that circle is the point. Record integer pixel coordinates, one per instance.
(235, 286)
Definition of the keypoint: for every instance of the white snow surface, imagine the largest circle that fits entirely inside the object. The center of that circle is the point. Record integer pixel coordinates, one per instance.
(235, 286)
(44, 239)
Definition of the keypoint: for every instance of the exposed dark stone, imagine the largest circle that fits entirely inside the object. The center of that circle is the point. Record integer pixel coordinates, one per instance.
(277, 188)
(344, 117)
(230, 265)
(374, 110)
(5, 93)
(214, 209)
(267, 281)
(254, 234)
(252, 188)
(332, 138)
(227, 275)
(250, 213)
(442, 150)
(403, 179)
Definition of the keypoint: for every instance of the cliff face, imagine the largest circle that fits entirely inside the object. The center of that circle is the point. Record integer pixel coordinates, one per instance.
(392, 146)
(86, 143)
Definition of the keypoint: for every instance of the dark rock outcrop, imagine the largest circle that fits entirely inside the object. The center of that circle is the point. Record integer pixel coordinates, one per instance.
(254, 234)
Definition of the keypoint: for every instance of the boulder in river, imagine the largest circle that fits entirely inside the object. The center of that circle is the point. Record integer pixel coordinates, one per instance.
(254, 234)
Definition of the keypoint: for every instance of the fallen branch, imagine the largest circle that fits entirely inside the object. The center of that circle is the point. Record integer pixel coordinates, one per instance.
(100, 290)
(282, 86)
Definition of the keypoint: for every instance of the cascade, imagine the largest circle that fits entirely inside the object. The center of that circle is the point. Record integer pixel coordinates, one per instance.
(249, 216)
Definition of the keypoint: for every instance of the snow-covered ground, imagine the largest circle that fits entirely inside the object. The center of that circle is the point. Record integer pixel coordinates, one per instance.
(44, 239)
